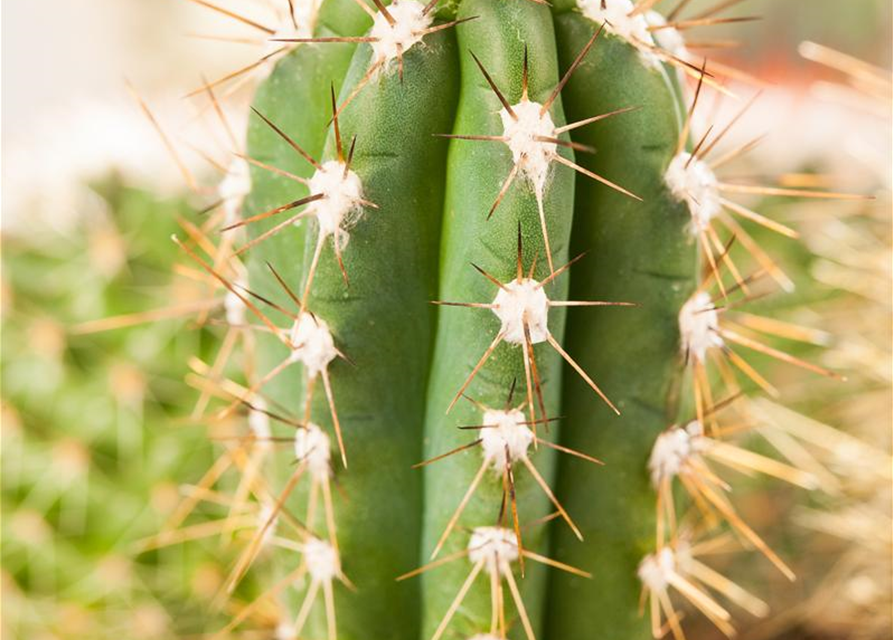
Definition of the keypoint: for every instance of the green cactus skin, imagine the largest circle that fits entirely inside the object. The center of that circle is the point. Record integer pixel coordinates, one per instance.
(384, 323)
(476, 172)
(296, 98)
(641, 252)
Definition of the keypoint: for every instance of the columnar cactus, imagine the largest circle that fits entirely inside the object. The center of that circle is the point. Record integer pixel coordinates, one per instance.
(425, 181)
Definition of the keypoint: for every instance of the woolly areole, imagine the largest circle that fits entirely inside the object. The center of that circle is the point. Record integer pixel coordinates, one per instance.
(699, 326)
(692, 181)
(673, 449)
(410, 24)
(312, 445)
(531, 155)
(233, 305)
(292, 27)
(656, 569)
(618, 21)
(521, 301)
(505, 430)
(496, 547)
(667, 38)
(322, 560)
(259, 423)
(312, 344)
(263, 517)
(340, 205)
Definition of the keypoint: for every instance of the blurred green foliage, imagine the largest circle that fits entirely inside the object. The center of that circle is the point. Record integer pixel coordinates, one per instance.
(94, 442)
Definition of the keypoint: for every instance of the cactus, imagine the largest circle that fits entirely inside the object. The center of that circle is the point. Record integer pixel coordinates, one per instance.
(439, 193)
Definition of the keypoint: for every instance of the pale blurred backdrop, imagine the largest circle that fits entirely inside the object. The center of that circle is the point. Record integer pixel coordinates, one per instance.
(66, 114)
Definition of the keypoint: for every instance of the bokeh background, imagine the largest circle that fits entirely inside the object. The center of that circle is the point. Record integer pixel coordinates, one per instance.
(96, 439)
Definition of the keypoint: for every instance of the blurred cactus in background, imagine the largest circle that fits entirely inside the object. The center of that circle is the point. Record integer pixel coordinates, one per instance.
(91, 451)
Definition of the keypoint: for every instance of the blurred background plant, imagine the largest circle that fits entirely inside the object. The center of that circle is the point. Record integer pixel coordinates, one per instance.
(96, 436)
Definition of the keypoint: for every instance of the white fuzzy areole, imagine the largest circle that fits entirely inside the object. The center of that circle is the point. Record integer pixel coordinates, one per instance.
(234, 309)
(285, 631)
(505, 429)
(496, 547)
(673, 449)
(312, 344)
(532, 156)
(617, 20)
(521, 301)
(697, 186)
(312, 445)
(656, 569)
(263, 516)
(669, 39)
(699, 326)
(322, 560)
(341, 205)
(410, 24)
(259, 424)
(236, 184)
(305, 13)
